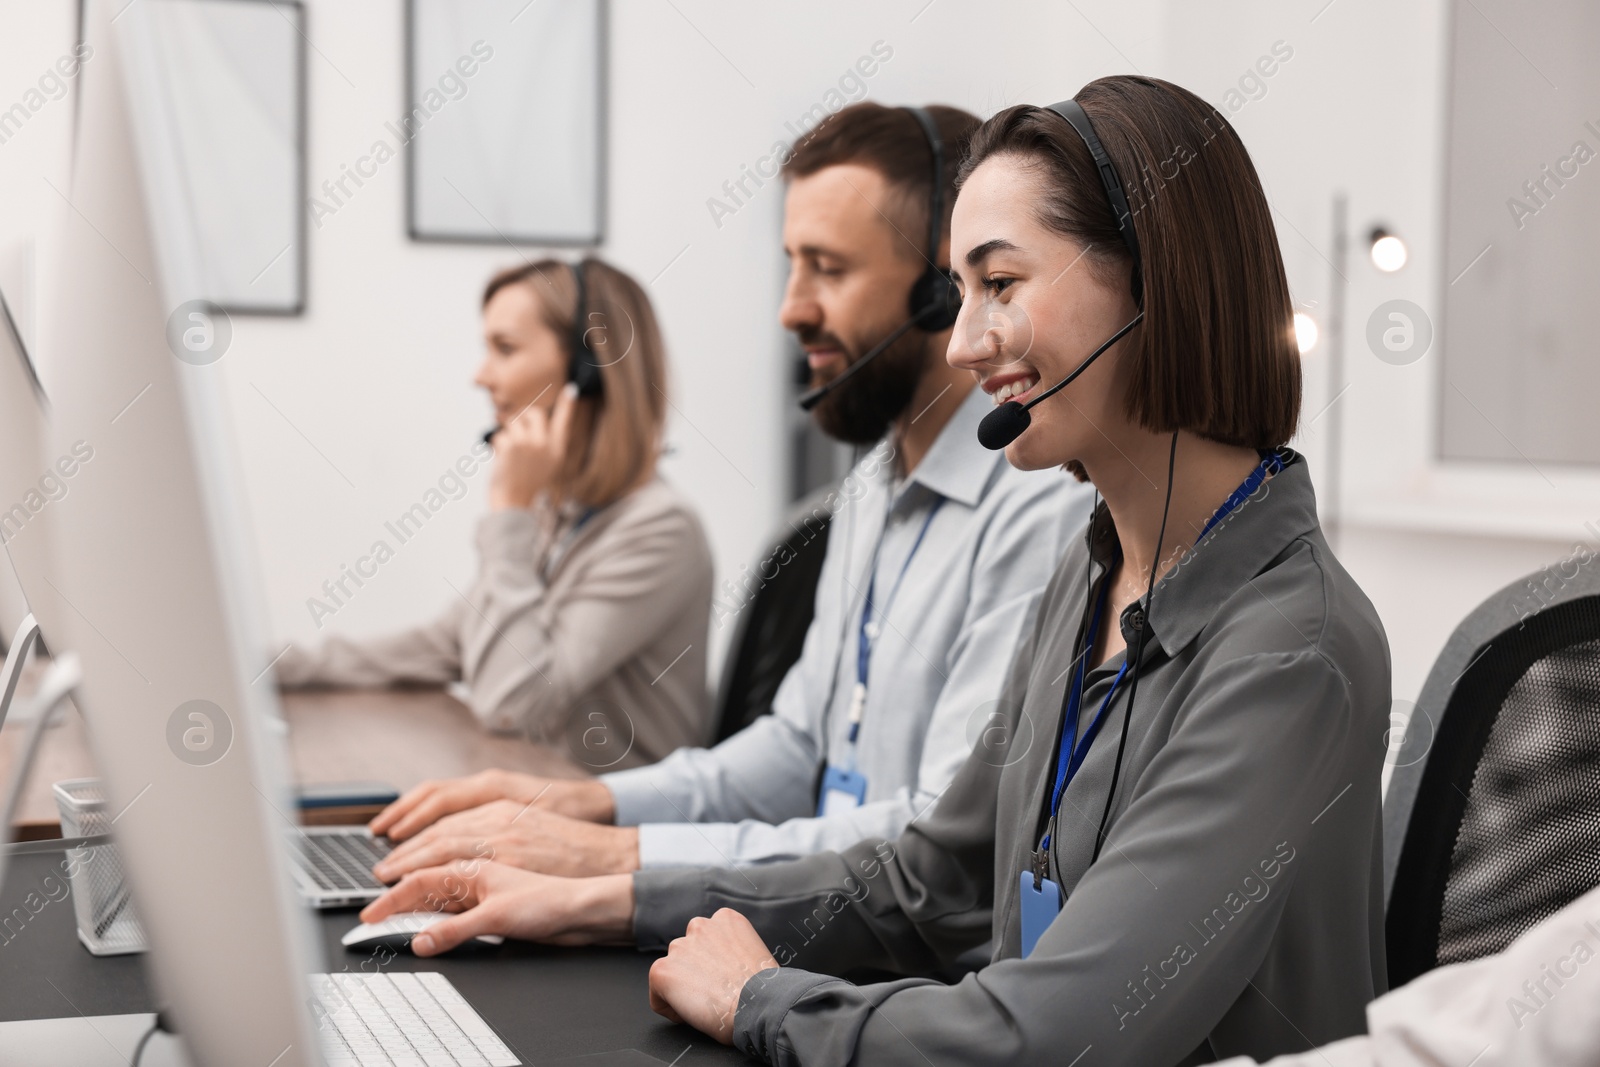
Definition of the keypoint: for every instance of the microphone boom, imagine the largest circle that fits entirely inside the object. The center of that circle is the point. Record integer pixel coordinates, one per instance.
(814, 397)
(1010, 420)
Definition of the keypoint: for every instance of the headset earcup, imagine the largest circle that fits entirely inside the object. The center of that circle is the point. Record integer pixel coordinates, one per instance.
(585, 372)
(935, 300)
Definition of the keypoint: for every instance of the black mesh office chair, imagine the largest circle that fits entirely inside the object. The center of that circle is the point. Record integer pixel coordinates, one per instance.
(770, 628)
(1492, 818)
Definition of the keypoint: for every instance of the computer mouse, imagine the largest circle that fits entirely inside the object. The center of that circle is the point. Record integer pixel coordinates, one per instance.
(396, 932)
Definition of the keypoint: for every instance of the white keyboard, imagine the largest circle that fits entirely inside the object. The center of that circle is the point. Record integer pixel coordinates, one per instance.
(403, 1019)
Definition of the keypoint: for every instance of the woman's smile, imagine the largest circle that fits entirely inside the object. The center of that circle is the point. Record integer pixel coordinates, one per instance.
(1015, 385)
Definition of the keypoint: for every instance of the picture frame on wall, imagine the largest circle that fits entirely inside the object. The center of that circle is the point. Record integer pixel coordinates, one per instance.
(231, 211)
(504, 121)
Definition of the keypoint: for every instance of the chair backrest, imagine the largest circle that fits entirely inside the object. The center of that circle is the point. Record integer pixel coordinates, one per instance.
(778, 600)
(1492, 818)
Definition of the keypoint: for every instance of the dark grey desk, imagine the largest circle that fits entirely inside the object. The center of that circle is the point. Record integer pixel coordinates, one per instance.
(546, 1003)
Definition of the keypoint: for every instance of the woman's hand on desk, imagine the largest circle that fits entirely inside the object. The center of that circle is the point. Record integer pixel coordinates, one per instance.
(700, 978)
(511, 832)
(484, 897)
(425, 804)
(529, 452)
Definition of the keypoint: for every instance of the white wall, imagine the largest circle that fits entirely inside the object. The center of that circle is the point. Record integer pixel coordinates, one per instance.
(1359, 108)
(375, 374)
(347, 415)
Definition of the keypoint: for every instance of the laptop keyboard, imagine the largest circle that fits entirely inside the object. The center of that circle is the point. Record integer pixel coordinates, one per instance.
(340, 861)
(379, 1020)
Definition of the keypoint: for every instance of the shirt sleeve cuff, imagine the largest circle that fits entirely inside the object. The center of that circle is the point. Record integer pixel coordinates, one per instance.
(764, 1002)
(632, 794)
(663, 903)
(683, 845)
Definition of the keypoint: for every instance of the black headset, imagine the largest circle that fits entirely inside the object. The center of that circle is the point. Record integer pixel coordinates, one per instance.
(1007, 422)
(935, 301)
(583, 366)
(1078, 119)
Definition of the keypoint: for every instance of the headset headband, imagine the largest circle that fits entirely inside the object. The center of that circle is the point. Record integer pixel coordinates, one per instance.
(936, 199)
(584, 368)
(1078, 119)
(935, 302)
(580, 302)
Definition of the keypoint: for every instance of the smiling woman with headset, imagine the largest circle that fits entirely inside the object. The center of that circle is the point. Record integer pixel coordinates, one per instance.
(1179, 857)
(1175, 854)
(586, 627)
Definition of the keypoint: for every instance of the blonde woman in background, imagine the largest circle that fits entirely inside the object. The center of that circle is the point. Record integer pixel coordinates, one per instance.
(586, 626)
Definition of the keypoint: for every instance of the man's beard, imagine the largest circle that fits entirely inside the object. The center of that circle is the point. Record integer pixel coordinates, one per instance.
(861, 410)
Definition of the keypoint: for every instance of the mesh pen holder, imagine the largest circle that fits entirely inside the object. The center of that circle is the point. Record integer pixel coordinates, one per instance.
(107, 925)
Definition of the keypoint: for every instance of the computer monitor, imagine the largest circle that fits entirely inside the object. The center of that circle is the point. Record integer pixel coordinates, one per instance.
(145, 581)
(25, 489)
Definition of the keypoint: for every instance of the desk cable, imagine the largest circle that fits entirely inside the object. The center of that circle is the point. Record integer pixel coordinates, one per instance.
(160, 1023)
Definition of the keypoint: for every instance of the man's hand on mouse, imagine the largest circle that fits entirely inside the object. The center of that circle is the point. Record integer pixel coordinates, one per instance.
(517, 835)
(484, 897)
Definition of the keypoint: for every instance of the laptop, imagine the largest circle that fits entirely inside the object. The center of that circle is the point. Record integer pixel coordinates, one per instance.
(333, 865)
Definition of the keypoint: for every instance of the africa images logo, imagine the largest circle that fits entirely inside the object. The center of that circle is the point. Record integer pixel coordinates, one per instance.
(199, 732)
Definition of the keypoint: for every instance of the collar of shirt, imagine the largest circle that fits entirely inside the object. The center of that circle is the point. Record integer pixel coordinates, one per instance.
(956, 466)
(549, 515)
(1251, 536)
(880, 531)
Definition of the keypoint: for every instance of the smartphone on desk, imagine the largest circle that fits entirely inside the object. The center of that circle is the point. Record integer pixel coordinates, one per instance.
(345, 795)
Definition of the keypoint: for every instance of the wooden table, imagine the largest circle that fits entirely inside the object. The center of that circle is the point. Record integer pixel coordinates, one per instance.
(396, 736)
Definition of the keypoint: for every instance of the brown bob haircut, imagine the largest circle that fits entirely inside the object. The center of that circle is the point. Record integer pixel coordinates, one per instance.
(1216, 353)
(616, 437)
(891, 142)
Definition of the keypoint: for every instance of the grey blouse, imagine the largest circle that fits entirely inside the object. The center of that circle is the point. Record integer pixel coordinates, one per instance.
(1237, 905)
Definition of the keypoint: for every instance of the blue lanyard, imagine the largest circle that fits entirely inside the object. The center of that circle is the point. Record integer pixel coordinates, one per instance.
(1271, 463)
(1070, 757)
(866, 636)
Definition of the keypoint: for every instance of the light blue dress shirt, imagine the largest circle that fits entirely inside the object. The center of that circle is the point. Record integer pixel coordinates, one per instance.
(937, 666)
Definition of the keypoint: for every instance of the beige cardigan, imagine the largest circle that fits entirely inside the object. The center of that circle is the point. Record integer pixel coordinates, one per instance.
(589, 636)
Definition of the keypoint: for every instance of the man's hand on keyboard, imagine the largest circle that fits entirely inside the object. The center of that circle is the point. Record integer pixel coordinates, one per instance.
(513, 833)
(484, 897)
(423, 805)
